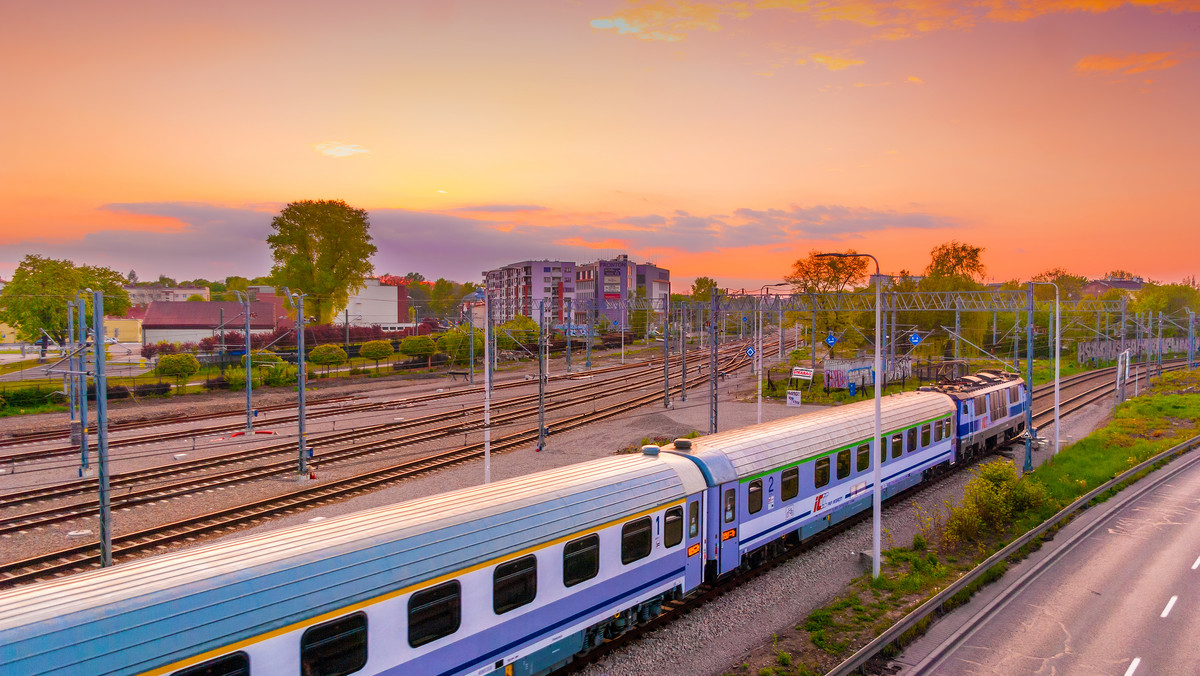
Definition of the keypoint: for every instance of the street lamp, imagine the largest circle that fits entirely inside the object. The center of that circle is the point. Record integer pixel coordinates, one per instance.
(298, 301)
(758, 342)
(1057, 357)
(877, 473)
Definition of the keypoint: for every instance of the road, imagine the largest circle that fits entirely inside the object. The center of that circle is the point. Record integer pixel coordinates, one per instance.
(1122, 599)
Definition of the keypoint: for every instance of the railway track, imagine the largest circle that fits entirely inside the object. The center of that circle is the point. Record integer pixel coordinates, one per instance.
(129, 481)
(43, 454)
(82, 557)
(707, 593)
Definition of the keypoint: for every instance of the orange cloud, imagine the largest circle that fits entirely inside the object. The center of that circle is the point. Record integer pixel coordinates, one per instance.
(1129, 64)
(670, 21)
(833, 62)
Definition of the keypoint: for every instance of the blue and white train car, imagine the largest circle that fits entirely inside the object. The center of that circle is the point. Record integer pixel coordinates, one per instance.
(991, 409)
(515, 577)
(793, 477)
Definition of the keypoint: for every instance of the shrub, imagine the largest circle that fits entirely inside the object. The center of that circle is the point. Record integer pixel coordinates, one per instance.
(419, 346)
(152, 389)
(262, 357)
(281, 374)
(456, 345)
(235, 378)
(327, 355)
(178, 366)
(376, 350)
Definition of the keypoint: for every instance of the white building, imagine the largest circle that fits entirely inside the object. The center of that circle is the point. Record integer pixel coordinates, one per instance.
(373, 304)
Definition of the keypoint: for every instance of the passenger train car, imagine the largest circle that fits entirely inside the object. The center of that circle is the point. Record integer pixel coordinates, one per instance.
(515, 577)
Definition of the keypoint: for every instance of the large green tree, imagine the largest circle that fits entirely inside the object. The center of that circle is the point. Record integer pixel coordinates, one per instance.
(956, 259)
(324, 248)
(36, 298)
(443, 298)
(703, 288)
(1070, 287)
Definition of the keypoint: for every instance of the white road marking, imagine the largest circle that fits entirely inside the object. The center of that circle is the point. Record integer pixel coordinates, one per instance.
(1170, 604)
(1133, 666)
(1196, 564)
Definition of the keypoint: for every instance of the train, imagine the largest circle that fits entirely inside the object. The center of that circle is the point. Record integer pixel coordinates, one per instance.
(516, 577)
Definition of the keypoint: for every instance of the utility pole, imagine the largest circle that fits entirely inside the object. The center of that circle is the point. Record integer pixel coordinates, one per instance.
(683, 350)
(812, 346)
(1160, 342)
(487, 388)
(543, 348)
(567, 330)
(346, 327)
(1191, 346)
(70, 377)
(1122, 323)
(957, 324)
(1029, 431)
(102, 428)
(249, 403)
(781, 340)
(591, 329)
(666, 351)
(221, 328)
(302, 379)
(84, 468)
(712, 364)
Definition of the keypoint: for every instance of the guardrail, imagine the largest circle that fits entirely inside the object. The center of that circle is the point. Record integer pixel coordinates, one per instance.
(859, 659)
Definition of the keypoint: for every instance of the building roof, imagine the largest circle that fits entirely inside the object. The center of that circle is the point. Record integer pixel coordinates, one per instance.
(207, 315)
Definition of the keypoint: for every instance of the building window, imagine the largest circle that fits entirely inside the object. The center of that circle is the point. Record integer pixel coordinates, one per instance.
(754, 496)
(673, 527)
(635, 540)
(237, 664)
(434, 613)
(821, 473)
(334, 648)
(514, 584)
(789, 484)
(581, 560)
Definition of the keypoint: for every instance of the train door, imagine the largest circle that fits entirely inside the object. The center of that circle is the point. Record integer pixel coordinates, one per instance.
(694, 541)
(730, 557)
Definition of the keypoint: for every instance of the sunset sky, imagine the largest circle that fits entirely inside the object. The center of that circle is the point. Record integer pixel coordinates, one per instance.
(714, 138)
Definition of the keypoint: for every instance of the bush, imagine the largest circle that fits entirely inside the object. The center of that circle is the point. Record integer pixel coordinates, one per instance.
(376, 350)
(419, 346)
(25, 397)
(282, 374)
(456, 345)
(152, 389)
(327, 355)
(262, 357)
(235, 379)
(178, 366)
(520, 330)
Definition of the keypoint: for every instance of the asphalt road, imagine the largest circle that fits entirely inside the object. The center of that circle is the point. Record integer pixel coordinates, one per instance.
(1125, 599)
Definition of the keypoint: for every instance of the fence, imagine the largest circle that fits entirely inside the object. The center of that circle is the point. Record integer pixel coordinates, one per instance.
(839, 373)
(1146, 347)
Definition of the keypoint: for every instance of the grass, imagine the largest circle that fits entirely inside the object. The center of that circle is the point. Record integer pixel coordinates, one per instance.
(1141, 428)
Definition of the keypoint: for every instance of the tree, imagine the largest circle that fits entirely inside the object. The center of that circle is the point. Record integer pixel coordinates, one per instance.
(195, 298)
(443, 298)
(520, 330)
(419, 346)
(954, 259)
(1070, 287)
(457, 345)
(327, 355)
(323, 247)
(703, 288)
(376, 349)
(164, 280)
(178, 366)
(826, 275)
(132, 277)
(36, 298)
(1121, 274)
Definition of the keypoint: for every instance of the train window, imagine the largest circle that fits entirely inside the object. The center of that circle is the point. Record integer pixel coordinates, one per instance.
(897, 445)
(635, 540)
(912, 439)
(925, 432)
(581, 560)
(673, 527)
(821, 473)
(754, 496)
(514, 584)
(694, 519)
(843, 464)
(946, 427)
(964, 408)
(434, 613)
(334, 648)
(863, 461)
(730, 505)
(237, 664)
(789, 484)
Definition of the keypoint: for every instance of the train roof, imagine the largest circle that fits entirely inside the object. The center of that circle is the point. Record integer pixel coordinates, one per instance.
(155, 611)
(745, 452)
(975, 382)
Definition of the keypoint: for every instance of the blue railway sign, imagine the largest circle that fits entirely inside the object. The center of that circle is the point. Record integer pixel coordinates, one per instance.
(914, 338)
(831, 340)
(750, 351)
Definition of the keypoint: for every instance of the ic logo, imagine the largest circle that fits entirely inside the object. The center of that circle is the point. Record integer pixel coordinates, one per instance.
(817, 504)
